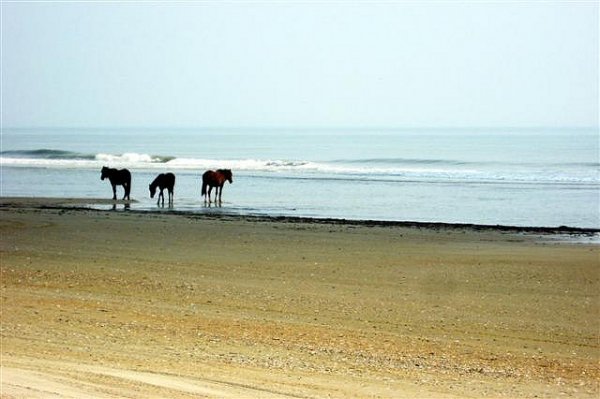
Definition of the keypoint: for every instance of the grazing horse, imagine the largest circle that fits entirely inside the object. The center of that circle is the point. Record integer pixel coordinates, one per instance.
(162, 181)
(118, 177)
(215, 179)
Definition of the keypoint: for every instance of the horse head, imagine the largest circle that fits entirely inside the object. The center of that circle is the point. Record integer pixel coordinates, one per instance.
(152, 190)
(228, 175)
(104, 173)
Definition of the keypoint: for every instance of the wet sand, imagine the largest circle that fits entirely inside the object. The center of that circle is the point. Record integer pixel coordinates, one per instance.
(138, 304)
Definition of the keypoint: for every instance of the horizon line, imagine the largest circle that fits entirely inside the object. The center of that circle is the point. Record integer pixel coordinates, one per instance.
(297, 128)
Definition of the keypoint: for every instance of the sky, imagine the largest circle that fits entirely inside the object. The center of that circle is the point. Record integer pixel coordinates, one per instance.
(300, 64)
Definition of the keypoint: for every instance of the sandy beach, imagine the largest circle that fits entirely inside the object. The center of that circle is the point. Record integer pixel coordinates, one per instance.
(107, 304)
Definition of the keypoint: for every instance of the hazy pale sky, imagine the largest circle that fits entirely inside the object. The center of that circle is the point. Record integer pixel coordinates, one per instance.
(300, 63)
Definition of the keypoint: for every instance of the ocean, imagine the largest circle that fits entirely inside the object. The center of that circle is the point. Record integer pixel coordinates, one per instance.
(516, 177)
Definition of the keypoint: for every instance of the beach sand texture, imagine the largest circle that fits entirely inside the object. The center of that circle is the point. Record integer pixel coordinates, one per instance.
(133, 304)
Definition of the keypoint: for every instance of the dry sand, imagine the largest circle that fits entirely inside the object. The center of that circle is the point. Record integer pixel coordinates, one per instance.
(125, 304)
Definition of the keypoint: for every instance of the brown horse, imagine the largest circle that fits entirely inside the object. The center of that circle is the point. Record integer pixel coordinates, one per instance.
(216, 179)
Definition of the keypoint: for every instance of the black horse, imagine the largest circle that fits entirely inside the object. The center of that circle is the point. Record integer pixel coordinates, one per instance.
(118, 177)
(216, 179)
(162, 181)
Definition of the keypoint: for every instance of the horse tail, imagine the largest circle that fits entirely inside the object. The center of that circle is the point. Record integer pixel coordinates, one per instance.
(204, 184)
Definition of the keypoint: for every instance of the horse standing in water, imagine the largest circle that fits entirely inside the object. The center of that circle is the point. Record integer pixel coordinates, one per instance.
(162, 181)
(117, 177)
(215, 179)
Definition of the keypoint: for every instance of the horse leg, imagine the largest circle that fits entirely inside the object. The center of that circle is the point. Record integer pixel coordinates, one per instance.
(220, 192)
(114, 187)
(209, 191)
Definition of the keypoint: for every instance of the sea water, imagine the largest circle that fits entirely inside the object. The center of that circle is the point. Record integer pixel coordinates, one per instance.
(520, 177)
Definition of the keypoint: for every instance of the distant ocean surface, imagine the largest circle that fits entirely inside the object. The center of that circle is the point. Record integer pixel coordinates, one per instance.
(513, 177)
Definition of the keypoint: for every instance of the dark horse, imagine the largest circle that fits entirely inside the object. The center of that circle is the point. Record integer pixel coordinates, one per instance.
(216, 179)
(118, 177)
(162, 181)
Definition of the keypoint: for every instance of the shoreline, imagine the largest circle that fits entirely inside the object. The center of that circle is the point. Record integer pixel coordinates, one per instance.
(69, 203)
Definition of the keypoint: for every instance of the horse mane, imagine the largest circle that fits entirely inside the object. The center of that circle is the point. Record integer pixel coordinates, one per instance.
(226, 172)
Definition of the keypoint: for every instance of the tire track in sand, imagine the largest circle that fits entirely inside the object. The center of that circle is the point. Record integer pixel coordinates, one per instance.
(88, 381)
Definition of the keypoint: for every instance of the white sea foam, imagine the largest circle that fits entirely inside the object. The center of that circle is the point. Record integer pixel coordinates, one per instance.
(127, 158)
(49, 163)
(297, 168)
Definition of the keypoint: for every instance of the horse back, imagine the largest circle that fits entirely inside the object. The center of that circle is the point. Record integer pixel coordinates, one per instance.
(125, 175)
(169, 179)
(121, 176)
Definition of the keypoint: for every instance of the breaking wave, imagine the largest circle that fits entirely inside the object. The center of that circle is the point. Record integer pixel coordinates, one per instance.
(395, 169)
(45, 154)
(63, 158)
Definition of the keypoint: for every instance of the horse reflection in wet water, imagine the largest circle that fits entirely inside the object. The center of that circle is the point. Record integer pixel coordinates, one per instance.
(215, 179)
(117, 177)
(162, 181)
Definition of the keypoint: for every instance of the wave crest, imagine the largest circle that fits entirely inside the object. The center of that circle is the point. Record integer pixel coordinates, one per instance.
(132, 157)
(396, 169)
(45, 153)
